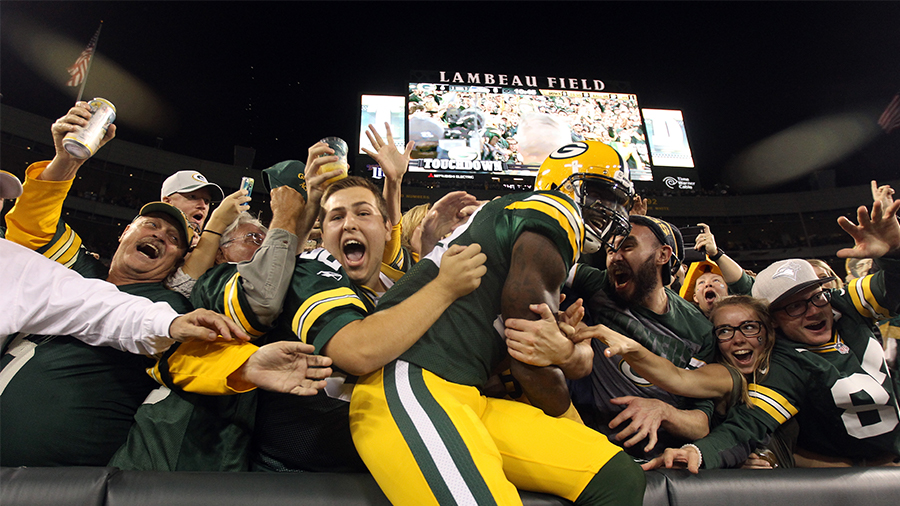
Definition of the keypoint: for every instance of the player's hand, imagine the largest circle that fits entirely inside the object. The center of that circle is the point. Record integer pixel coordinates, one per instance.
(876, 235)
(392, 161)
(205, 325)
(706, 241)
(227, 211)
(444, 216)
(538, 342)
(461, 269)
(288, 367)
(678, 458)
(646, 417)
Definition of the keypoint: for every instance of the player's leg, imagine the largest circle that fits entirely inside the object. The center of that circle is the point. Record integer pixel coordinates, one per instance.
(423, 441)
(561, 457)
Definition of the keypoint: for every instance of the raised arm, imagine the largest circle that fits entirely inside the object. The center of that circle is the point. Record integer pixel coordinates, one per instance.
(393, 163)
(709, 381)
(536, 273)
(363, 346)
(706, 242)
(877, 234)
(64, 166)
(203, 256)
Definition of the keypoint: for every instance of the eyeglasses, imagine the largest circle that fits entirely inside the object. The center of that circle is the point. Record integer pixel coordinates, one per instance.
(799, 308)
(254, 237)
(725, 333)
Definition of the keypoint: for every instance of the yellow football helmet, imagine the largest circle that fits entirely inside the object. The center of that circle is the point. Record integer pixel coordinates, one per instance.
(595, 177)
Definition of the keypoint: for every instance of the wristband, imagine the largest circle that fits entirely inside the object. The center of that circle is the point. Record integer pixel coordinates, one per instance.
(718, 255)
(699, 464)
(212, 232)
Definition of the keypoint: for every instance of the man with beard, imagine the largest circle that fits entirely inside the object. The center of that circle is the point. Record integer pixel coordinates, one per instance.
(710, 280)
(631, 297)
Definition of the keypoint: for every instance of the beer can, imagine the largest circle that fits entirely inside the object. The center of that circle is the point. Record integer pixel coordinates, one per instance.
(84, 142)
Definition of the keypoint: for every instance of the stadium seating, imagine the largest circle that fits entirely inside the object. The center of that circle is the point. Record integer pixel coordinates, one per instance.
(108, 486)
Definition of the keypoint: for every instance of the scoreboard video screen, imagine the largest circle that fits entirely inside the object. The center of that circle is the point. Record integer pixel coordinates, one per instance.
(469, 128)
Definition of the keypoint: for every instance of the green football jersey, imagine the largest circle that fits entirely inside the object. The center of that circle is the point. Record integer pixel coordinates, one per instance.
(466, 344)
(841, 392)
(65, 402)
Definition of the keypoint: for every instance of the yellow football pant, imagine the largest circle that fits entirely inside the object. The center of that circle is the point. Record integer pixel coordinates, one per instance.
(430, 441)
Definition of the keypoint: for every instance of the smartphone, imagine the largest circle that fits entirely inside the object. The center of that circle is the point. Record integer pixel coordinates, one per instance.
(247, 184)
(689, 235)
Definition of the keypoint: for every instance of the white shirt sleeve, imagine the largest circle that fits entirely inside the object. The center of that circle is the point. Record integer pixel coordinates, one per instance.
(40, 296)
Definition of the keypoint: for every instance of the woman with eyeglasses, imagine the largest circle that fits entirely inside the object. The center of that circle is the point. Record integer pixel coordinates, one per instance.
(745, 336)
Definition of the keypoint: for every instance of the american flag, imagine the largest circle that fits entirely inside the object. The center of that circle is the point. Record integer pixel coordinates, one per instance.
(890, 118)
(78, 71)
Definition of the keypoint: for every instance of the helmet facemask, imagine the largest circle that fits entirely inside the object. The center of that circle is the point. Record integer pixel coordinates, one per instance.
(604, 208)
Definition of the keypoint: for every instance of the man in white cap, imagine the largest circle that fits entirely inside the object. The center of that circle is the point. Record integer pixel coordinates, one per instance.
(827, 367)
(191, 192)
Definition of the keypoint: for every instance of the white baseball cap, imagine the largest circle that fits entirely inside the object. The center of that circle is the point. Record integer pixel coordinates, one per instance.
(185, 181)
(785, 278)
(10, 187)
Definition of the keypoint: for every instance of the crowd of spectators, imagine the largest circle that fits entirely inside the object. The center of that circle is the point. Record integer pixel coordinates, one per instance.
(357, 362)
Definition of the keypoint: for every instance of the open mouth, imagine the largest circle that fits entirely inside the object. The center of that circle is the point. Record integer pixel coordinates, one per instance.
(620, 275)
(743, 357)
(197, 217)
(354, 251)
(710, 296)
(149, 249)
(816, 326)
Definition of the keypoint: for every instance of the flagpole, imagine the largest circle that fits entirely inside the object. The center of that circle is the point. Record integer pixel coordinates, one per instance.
(90, 62)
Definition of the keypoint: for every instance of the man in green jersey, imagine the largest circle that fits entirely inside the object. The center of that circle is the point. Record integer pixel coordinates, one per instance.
(827, 368)
(65, 402)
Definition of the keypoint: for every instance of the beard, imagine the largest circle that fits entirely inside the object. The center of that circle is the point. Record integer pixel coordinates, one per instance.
(644, 282)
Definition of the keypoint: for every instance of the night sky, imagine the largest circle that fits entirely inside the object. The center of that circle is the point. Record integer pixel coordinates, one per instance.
(276, 76)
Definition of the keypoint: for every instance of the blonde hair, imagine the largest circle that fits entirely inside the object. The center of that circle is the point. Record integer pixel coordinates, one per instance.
(815, 262)
(761, 308)
(410, 220)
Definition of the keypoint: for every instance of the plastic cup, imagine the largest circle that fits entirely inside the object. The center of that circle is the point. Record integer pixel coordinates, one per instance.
(340, 150)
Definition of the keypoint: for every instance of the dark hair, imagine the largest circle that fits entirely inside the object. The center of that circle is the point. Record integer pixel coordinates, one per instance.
(352, 182)
(761, 308)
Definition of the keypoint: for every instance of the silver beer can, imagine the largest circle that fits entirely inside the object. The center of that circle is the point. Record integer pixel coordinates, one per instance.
(83, 143)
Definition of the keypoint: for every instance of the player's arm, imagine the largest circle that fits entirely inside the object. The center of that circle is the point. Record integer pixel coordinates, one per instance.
(363, 346)
(710, 381)
(536, 273)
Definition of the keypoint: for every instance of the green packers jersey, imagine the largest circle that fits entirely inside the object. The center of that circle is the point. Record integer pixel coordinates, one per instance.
(220, 289)
(311, 433)
(840, 392)
(464, 346)
(65, 402)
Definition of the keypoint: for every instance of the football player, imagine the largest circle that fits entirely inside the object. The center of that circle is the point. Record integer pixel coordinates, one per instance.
(421, 424)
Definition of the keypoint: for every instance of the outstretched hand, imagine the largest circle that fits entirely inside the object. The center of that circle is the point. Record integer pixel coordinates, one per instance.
(205, 325)
(462, 268)
(876, 235)
(228, 210)
(646, 417)
(537, 342)
(392, 161)
(449, 212)
(676, 458)
(288, 367)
